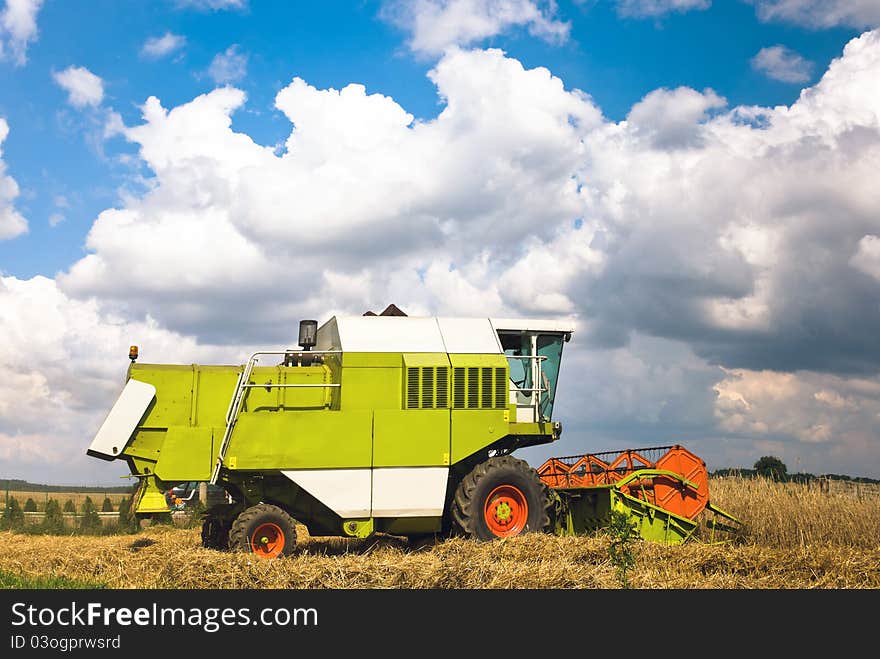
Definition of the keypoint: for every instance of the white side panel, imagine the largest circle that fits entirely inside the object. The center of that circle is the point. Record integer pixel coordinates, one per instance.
(469, 335)
(409, 491)
(535, 325)
(123, 418)
(344, 491)
(425, 334)
(389, 334)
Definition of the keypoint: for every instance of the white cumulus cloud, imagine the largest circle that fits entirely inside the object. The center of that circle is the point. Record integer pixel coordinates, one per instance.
(821, 13)
(673, 118)
(781, 63)
(156, 47)
(18, 28)
(230, 66)
(83, 87)
(694, 218)
(12, 223)
(436, 25)
(360, 186)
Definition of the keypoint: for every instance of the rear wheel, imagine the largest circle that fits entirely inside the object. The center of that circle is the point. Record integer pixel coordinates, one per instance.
(501, 498)
(264, 530)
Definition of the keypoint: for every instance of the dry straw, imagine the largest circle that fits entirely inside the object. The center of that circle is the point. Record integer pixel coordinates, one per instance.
(793, 538)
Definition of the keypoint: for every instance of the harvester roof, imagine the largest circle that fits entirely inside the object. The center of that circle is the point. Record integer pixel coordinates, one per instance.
(424, 334)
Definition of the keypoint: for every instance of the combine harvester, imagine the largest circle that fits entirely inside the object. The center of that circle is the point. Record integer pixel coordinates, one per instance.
(398, 425)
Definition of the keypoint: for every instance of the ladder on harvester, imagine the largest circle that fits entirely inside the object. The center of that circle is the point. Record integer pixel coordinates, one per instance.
(244, 384)
(232, 414)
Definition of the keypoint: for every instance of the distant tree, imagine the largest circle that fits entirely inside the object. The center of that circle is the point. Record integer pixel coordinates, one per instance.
(13, 515)
(107, 506)
(89, 520)
(53, 520)
(769, 466)
(30, 506)
(69, 506)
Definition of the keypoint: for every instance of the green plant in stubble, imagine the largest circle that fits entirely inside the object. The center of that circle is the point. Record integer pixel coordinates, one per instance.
(623, 533)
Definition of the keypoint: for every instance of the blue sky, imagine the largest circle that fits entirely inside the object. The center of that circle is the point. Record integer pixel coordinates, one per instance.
(691, 182)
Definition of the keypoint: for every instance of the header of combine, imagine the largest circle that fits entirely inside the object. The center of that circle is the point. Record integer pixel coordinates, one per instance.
(663, 490)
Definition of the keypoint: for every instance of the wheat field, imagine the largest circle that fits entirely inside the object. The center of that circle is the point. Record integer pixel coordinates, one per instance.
(792, 537)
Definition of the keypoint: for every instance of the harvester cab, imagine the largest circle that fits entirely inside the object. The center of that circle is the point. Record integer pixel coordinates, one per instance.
(397, 424)
(533, 350)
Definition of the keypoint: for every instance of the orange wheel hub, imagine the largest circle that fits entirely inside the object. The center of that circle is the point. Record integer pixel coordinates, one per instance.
(506, 511)
(267, 540)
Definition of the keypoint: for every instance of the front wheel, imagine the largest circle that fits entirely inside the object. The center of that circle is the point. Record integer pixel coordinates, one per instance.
(264, 530)
(500, 498)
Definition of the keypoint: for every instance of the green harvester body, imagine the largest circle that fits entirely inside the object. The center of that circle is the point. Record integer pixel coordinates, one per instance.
(354, 438)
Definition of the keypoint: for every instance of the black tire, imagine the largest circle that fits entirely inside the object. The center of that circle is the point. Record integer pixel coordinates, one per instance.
(215, 533)
(265, 530)
(216, 523)
(504, 475)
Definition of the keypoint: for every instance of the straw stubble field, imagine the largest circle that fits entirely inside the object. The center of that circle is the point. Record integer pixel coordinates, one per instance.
(793, 537)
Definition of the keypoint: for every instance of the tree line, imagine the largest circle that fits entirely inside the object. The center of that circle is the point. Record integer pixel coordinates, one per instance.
(18, 485)
(87, 518)
(770, 466)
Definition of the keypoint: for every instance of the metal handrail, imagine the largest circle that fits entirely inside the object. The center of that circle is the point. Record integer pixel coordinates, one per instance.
(238, 398)
(298, 352)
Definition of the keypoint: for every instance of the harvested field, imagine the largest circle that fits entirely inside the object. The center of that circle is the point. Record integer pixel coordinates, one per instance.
(793, 538)
(172, 558)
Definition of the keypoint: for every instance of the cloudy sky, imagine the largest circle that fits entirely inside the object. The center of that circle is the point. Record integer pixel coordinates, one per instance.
(694, 183)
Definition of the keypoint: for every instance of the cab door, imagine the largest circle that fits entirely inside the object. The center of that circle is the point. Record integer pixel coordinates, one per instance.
(533, 359)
